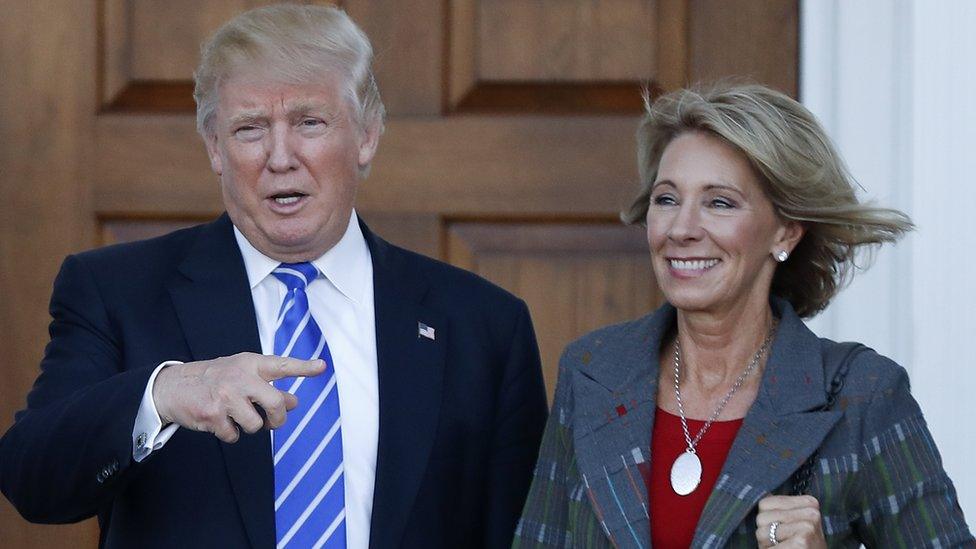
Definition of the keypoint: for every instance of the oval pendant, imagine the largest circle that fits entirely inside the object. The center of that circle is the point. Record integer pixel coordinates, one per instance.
(686, 473)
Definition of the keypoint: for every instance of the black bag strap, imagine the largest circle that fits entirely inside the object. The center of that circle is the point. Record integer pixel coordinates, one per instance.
(843, 353)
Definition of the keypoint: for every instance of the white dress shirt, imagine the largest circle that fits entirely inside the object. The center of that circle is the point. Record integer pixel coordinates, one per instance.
(341, 300)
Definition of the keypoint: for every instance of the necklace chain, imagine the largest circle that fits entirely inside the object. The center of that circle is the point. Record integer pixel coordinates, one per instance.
(692, 443)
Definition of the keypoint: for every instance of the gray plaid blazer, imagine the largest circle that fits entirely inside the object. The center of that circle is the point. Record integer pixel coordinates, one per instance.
(878, 475)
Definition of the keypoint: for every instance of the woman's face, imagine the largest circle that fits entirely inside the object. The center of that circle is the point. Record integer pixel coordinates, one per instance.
(710, 228)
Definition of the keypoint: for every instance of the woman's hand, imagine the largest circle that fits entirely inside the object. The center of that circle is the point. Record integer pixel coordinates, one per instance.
(796, 519)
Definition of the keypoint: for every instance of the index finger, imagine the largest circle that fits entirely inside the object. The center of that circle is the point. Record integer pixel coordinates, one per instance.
(785, 503)
(271, 368)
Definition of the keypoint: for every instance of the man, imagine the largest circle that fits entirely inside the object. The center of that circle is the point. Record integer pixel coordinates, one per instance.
(409, 410)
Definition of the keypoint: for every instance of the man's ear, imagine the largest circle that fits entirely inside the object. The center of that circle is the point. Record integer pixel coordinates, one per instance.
(370, 140)
(213, 151)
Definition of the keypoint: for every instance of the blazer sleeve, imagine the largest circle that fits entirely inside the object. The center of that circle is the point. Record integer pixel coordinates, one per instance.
(906, 498)
(557, 511)
(67, 453)
(518, 424)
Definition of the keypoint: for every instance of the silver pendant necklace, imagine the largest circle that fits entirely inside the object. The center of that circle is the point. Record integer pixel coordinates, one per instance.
(686, 471)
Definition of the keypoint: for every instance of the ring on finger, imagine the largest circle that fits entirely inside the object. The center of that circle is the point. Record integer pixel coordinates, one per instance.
(772, 533)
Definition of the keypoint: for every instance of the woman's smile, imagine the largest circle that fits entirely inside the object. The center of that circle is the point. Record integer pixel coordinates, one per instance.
(691, 267)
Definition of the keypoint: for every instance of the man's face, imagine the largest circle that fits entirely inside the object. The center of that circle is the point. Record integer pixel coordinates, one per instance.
(289, 157)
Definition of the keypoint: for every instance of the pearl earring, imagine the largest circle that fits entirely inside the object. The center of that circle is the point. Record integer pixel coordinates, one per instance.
(782, 255)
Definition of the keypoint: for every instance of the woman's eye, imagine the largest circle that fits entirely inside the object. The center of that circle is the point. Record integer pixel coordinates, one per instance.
(663, 200)
(722, 203)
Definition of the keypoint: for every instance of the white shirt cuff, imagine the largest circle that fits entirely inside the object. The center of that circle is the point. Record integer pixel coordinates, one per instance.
(148, 434)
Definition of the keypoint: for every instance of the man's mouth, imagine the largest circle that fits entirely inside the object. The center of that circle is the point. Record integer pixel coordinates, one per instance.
(287, 198)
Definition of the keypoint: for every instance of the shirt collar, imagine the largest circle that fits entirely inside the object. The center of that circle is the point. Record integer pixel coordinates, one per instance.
(346, 265)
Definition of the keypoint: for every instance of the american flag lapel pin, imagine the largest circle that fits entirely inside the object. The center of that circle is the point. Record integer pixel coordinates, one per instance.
(424, 330)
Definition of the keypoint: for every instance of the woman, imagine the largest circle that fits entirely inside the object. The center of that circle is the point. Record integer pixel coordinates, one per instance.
(691, 426)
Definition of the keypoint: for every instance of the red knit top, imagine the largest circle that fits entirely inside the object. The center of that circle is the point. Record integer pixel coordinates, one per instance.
(674, 517)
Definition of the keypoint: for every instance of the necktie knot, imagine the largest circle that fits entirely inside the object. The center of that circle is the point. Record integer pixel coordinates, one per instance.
(295, 275)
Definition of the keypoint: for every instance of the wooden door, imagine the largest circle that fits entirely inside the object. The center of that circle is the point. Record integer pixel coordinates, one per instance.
(509, 148)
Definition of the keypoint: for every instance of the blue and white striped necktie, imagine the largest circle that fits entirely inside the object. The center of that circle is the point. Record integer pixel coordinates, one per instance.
(309, 493)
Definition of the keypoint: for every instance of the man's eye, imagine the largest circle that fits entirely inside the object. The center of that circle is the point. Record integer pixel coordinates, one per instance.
(246, 130)
(311, 122)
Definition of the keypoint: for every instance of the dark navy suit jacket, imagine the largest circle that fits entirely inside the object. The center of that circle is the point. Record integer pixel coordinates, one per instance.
(460, 417)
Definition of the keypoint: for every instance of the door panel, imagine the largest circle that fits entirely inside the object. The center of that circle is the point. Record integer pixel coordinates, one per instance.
(575, 276)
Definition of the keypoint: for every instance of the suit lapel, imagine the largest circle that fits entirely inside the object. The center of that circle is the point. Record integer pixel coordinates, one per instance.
(782, 429)
(410, 369)
(616, 394)
(212, 299)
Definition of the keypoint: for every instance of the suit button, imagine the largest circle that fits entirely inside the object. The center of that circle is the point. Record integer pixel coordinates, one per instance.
(106, 472)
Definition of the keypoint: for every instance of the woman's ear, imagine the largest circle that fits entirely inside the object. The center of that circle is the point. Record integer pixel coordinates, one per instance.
(789, 235)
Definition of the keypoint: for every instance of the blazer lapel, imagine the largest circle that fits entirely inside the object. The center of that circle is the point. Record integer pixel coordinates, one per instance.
(616, 395)
(213, 301)
(782, 429)
(410, 368)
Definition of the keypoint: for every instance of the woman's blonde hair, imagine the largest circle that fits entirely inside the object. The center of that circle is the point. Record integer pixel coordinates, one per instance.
(299, 44)
(799, 170)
